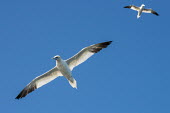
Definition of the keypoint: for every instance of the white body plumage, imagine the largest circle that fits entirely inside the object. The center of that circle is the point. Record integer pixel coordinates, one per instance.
(140, 10)
(65, 70)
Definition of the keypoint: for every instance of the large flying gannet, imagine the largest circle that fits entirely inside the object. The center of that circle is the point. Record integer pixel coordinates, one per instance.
(141, 9)
(63, 68)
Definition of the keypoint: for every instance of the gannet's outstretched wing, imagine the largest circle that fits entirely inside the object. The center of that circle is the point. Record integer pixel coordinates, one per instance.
(150, 11)
(133, 7)
(85, 53)
(39, 81)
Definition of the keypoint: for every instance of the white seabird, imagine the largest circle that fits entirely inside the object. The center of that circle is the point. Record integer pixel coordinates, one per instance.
(63, 68)
(141, 9)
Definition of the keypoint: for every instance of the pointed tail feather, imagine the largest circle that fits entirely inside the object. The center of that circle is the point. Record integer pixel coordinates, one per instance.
(138, 16)
(73, 83)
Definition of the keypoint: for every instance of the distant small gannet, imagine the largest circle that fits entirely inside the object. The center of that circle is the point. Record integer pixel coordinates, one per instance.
(63, 68)
(141, 9)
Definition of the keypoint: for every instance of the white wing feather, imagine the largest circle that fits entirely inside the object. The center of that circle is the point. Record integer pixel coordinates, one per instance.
(86, 53)
(40, 81)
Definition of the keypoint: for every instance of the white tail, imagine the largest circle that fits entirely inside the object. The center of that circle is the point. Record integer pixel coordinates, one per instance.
(73, 83)
(138, 16)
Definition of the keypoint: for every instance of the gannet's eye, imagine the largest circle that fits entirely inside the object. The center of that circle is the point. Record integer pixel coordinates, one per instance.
(55, 57)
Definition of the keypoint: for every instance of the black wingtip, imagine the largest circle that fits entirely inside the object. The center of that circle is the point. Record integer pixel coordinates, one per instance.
(97, 47)
(22, 94)
(127, 7)
(109, 41)
(26, 91)
(106, 43)
(156, 14)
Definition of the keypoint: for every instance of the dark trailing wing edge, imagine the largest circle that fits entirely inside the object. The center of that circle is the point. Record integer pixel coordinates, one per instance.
(97, 47)
(28, 89)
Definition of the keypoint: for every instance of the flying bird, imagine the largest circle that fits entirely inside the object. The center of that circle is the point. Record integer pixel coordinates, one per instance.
(141, 9)
(63, 68)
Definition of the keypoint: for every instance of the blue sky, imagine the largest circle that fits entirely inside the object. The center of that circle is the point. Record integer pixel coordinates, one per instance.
(130, 76)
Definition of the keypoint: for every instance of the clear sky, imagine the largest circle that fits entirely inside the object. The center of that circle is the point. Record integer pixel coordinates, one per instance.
(132, 75)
